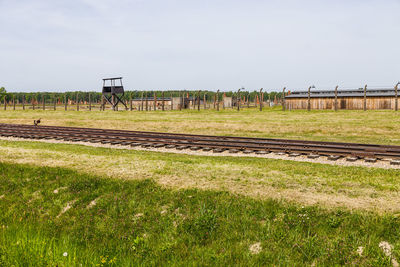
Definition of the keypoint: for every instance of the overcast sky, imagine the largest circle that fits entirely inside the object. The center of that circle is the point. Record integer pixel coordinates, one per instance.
(52, 45)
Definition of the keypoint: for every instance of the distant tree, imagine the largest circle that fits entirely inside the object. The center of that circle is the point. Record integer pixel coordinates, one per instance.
(3, 93)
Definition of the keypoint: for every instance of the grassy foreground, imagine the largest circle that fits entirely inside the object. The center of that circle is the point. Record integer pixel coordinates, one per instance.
(301, 182)
(55, 216)
(381, 127)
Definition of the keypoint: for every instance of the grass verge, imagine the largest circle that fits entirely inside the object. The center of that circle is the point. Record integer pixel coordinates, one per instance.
(113, 222)
(380, 127)
(301, 182)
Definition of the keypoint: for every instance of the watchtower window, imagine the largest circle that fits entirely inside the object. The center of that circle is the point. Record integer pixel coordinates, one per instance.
(113, 91)
(113, 86)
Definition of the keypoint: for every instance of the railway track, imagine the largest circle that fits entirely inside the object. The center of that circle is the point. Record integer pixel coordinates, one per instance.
(217, 144)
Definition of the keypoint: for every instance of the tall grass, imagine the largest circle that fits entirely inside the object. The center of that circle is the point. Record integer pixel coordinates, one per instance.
(125, 223)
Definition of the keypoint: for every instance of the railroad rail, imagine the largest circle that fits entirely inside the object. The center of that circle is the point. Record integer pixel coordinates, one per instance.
(217, 144)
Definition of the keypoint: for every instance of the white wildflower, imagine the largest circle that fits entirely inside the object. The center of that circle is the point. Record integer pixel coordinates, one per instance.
(360, 251)
(387, 250)
(386, 247)
(255, 248)
(65, 254)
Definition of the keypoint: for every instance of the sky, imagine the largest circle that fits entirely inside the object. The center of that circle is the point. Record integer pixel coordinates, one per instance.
(53, 45)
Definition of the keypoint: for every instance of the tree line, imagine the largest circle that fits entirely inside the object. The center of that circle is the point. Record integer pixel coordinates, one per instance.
(96, 96)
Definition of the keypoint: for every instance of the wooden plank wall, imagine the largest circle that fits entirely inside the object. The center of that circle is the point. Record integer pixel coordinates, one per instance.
(373, 103)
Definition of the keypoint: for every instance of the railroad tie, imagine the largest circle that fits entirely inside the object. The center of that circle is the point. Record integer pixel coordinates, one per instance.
(158, 145)
(333, 157)
(351, 159)
(370, 160)
(395, 162)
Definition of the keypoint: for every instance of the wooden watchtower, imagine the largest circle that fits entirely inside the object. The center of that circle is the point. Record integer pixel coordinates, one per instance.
(112, 93)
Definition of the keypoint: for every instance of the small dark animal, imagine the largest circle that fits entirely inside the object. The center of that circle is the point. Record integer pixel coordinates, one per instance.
(36, 122)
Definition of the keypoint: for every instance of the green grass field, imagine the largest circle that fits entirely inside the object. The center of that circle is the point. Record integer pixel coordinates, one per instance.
(381, 127)
(113, 222)
(112, 207)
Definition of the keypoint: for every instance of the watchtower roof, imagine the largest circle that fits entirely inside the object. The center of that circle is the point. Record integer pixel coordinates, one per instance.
(116, 78)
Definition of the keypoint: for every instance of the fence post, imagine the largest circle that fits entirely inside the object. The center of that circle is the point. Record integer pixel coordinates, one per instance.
(217, 97)
(238, 100)
(204, 101)
(309, 98)
(155, 101)
(5, 102)
(172, 102)
(90, 103)
(181, 100)
(33, 103)
(365, 97)
(23, 102)
(336, 97)
(141, 103)
(283, 99)
(147, 103)
(77, 101)
(395, 97)
(13, 102)
(198, 100)
(130, 102)
(163, 101)
(55, 103)
(66, 102)
(44, 102)
(261, 100)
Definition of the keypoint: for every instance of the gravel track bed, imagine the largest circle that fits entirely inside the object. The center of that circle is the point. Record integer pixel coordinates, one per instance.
(383, 164)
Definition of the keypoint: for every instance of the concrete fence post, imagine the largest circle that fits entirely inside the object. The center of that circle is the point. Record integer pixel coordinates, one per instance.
(336, 106)
(217, 97)
(365, 98)
(238, 100)
(77, 101)
(396, 103)
(90, 103)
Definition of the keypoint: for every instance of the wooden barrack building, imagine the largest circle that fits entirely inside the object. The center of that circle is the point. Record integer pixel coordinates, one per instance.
(371, 99)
